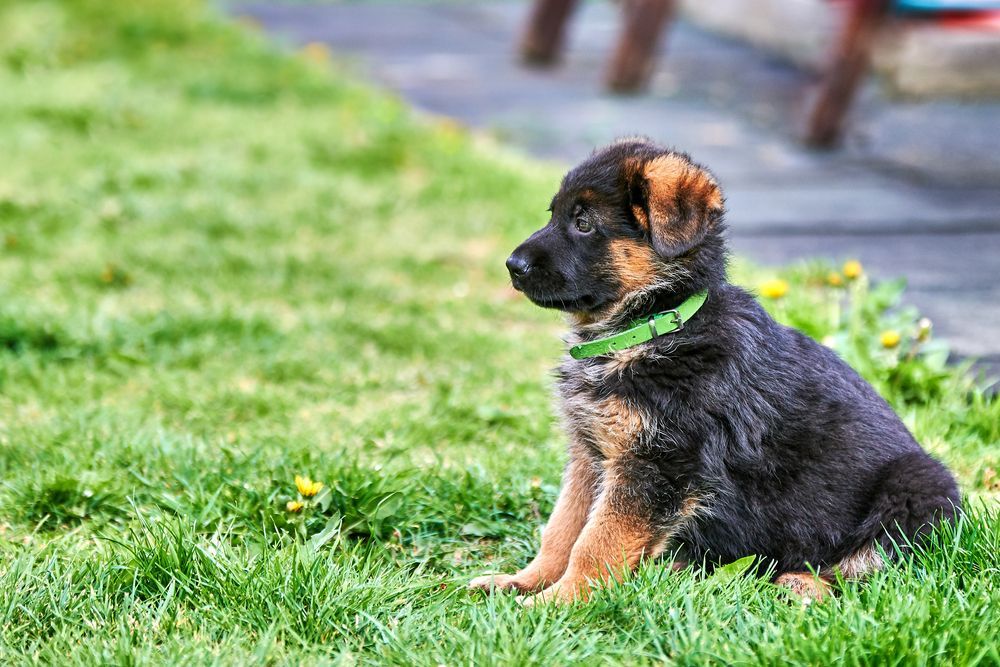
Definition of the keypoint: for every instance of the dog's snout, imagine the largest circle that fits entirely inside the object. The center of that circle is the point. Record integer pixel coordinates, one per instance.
(518, 265)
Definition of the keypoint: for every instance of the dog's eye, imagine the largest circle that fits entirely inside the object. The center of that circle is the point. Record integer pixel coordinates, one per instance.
(583, 226)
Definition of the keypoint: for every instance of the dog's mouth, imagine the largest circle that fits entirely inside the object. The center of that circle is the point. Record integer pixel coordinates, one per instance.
(565, 302)
(557, 297)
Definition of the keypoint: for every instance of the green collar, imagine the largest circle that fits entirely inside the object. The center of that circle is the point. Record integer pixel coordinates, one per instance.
(643, 329)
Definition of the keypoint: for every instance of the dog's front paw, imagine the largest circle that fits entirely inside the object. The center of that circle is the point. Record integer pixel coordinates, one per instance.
(501, 582)
(557, 593)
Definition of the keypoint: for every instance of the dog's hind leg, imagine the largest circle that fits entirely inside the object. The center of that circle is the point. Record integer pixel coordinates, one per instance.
(806, 585)
(914, 494)
(857, 565)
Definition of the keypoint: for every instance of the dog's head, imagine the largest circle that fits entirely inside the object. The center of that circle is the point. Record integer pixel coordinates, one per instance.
(629, 220)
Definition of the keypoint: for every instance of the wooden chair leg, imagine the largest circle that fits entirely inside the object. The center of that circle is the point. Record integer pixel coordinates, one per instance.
(543, 36)
(850, 62)
(633, 58)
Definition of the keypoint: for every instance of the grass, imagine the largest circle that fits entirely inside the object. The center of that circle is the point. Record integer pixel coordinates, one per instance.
(222, 266)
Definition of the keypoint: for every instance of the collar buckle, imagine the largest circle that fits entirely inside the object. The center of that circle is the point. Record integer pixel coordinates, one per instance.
(676, 320)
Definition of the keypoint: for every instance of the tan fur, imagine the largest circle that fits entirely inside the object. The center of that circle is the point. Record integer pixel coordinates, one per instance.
(804, 584)
(616, 426)
(691, 507)
(640, 272)
(670, 177)
(567, 521)
(663, 174)
(569, 516)
(667, 173)
(612, 317)
(856, 566)
(612, 544)
(640, 216)
(619, 362)
(611, 425)
(861, 563)
(671, 180)
(635, 263)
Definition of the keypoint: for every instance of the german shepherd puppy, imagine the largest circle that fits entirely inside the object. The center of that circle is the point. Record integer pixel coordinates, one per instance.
(730, 437)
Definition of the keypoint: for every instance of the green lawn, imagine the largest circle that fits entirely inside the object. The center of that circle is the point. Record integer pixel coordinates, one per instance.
(221, 267)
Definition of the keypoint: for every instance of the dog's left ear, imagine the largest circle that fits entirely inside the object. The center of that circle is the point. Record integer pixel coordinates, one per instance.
(673, 200)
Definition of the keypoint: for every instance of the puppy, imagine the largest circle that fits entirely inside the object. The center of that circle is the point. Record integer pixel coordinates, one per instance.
(710, 429)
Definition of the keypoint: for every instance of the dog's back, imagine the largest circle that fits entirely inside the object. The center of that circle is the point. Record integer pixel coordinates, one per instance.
(795, 457)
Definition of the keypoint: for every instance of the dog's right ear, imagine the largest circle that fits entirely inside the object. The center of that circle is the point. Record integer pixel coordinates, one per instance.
(674, 201)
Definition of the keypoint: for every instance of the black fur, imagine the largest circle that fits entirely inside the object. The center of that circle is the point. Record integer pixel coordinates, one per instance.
(792, 455)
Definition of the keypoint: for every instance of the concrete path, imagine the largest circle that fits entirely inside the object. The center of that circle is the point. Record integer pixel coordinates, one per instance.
(734, 109)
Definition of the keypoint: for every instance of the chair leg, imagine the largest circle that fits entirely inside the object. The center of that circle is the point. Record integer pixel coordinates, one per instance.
(543, 36)
(634, 56)
(850, 62)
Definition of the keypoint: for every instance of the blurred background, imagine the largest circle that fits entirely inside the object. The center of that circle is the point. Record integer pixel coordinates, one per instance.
(851, 128)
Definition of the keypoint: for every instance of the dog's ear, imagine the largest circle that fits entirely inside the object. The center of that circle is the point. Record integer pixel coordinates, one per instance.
(673, 200)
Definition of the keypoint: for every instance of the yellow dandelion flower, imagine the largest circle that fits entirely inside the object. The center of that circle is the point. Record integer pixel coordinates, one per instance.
(294, 505)
(853, 269)
(316, 52)
(306, 486)
(890, 339)
(774, 289)
(834, 279)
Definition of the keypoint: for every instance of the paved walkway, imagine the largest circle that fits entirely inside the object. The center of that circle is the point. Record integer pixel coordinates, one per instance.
(887, 199)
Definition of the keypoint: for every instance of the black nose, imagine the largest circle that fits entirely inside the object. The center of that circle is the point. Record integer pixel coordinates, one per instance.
(518, 265)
